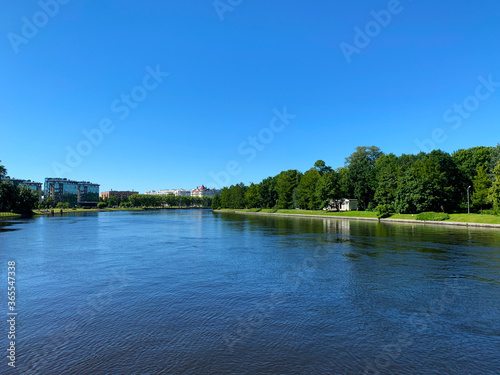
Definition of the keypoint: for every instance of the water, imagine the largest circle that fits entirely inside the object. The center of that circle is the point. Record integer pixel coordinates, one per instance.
(193, 292)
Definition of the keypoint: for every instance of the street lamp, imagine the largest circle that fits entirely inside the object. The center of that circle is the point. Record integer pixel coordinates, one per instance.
(468, 204)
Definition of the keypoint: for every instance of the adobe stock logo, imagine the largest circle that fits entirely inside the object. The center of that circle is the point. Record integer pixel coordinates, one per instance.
(40, 19)
(122, 107)
(363, 37)
(252, 146)
(223, 6)
(460, 112)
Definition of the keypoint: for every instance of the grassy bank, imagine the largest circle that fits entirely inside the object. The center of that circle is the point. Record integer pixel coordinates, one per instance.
(460, 218)
(9, 215)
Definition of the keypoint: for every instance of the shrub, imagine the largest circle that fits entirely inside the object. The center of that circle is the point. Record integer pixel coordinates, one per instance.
(102, 205)
(490, 212)
(384, 210)
(433, 216)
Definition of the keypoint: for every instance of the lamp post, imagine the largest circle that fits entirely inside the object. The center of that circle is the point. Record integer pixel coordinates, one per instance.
(468, 204)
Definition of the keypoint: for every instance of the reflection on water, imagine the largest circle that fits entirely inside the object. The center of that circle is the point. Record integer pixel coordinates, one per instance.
(190, 292)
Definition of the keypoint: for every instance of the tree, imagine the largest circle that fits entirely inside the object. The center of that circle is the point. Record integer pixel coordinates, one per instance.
(306, 190)
(361, 174)
(26, 199)
(3, 172)
(427, 183)
(494, 158)
(286, 182)
(321, 167)
(216, 202)
(469, 160)
(268, 192)
(8, 196)
(112, 201)
(253, 198)
(481, 184)
(387, 174)
(494, 191)
(328, 190)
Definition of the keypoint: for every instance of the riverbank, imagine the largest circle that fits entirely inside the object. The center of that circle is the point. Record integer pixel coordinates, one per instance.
(472, 220)
(58, 211)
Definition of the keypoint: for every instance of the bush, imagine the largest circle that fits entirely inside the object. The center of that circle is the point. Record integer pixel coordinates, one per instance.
(384, 210)
(273, 210)
(433, 216)
(102, 205)
(490, 212)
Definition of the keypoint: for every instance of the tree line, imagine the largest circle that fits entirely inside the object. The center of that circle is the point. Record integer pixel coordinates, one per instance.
(20, 199)
(435, 181)
(156, 201)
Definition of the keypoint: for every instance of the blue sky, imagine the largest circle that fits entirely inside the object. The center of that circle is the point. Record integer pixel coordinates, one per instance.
(421, 70)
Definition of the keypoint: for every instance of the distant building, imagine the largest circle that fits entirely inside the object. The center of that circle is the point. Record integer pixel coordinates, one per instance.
(82, 193)
(202, 191)
(118, 194)
(176, 192)
(36, 186)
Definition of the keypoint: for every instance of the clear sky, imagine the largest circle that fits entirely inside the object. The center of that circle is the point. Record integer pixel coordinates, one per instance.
(305, 80)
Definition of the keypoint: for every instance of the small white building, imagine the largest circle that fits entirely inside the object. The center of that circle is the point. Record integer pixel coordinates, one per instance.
(343, 205)
(349, 205)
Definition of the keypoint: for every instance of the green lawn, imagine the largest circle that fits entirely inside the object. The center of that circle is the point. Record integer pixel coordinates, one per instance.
(463, 218)
(311, 212)
(475, 218)
(9, 214)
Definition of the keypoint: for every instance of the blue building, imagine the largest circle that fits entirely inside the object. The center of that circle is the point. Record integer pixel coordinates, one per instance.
(82, 193)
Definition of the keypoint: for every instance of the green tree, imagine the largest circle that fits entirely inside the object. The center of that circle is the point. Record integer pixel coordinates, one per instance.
(494, 191)
(481, 185)
(387, 175)
(494, 158)
(429, 184)
(361, 174)
(3, 172)
(321, 167)
(268, 192)
(469, 160)
(216, 202)
(8, 196)
(112, 201)
(253, 198)
(306, 190)
(328, 189)
(26, 199)
(286, 182)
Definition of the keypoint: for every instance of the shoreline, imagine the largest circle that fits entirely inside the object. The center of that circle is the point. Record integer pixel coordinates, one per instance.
(57, 212)
(387, 220)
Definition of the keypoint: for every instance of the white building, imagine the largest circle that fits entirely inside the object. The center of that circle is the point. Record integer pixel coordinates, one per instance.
(343, 205)
(349, 205)
(202, 191)
(176, 192)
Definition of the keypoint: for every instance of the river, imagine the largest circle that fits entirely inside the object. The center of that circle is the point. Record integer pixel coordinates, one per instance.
(196, 292)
